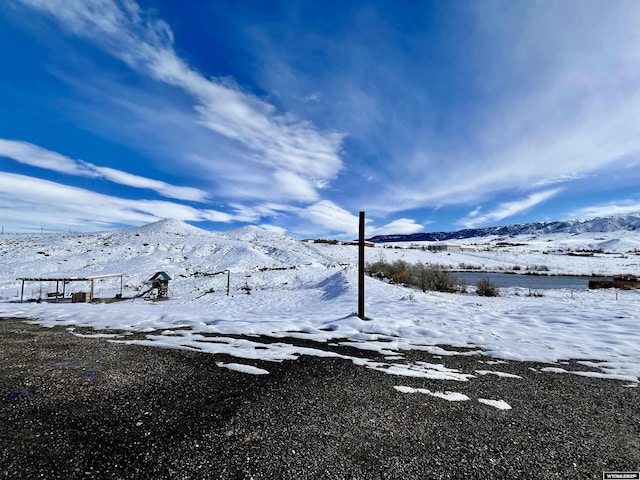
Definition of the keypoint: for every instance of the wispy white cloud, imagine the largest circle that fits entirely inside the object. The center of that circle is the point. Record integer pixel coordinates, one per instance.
(273, 228)
(399, 226)
(549, 96)
(332, 217)
(35, 156)
(508, 209)
(566, 109)
(623, 207)
(336, 219)
(300, 187)
(253, 213)
(475, 212)
(27, 201)
(163, 188)
(300, 158)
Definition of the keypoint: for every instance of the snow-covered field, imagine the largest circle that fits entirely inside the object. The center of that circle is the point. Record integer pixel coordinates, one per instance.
(309, 291)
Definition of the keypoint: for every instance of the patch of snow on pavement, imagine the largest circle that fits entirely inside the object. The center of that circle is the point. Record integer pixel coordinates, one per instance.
(417, 370)
(93, 335)
(239, 367)
(499, 404)
(449, 396)
(497, 374)
(610, 376)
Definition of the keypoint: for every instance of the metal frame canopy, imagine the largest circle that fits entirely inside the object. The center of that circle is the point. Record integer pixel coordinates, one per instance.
(66, 280)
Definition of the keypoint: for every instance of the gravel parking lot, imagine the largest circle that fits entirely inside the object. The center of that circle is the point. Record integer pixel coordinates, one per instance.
(74, 407)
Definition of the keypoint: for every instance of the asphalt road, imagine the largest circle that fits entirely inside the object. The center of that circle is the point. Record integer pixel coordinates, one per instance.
(73, 408)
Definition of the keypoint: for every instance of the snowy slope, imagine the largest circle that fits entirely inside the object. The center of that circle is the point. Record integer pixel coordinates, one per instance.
(308, 290)
(616, 223)
(183, 251)
(600, 254)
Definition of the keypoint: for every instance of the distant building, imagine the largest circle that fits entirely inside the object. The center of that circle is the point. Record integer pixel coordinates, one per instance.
(356, 243)
(443, 247)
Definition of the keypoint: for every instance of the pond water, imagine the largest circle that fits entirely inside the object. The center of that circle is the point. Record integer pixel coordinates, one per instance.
(535, 282)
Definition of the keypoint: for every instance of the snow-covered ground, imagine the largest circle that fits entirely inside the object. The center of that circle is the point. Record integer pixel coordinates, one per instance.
(309, 291)
(599, 254)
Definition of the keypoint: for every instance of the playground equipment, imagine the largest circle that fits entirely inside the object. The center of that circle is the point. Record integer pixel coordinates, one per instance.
(156, 288)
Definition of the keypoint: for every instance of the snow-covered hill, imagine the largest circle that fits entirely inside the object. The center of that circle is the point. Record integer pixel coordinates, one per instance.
(597, 225)
(281, 287)
(183, 251)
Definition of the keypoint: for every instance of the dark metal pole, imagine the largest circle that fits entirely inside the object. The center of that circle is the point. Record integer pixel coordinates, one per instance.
(22, 292)
(228, 281)
(361, 268)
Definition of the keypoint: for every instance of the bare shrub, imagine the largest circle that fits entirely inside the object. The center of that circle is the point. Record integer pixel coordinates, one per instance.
(399, 271)
(538, 268)
(424, 276)
(434, 278)
(485, 288)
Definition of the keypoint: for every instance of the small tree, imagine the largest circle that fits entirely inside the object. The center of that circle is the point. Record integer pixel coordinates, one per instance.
(485, 288)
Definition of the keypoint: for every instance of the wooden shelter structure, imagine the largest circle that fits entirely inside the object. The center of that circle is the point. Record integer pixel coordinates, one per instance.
(65, 280)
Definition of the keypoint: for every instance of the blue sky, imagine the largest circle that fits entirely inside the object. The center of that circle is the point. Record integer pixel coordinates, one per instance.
(295, 115)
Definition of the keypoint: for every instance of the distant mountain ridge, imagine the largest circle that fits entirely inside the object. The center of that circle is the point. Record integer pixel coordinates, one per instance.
(606, 224)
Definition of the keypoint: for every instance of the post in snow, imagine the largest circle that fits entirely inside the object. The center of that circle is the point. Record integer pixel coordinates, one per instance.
(361, 269)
